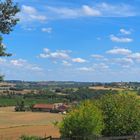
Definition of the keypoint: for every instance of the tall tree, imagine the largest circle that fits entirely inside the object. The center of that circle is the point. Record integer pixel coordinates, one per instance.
(8, 20)
(121, 114)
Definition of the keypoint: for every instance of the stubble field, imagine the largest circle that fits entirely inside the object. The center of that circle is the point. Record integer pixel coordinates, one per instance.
(14, 124)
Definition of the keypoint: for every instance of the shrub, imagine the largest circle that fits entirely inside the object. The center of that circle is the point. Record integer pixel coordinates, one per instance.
(85, 120)
(29, 138)
(122, 114)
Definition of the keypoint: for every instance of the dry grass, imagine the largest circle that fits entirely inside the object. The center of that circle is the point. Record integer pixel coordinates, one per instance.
(15, 132)
(14, 124)
(106, 88)
(16, 92)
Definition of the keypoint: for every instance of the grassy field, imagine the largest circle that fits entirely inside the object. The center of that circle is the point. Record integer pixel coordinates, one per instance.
(14, 124)
(28, 102)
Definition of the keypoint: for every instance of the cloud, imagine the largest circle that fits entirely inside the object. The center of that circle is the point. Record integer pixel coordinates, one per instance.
(130, 56)
(97, 56)
(21, 64)
(18, 62)
(62, 56)
(135, 56)
(94, 68)
(119, 51)
(66, 12)
(20, 69)
(85, 69)
(78, 60)
(123, 61)
(47, 30)
(66, 63)
(116, 10)
(24, 64)
(120, 39)
(96, 10)
(30, 14)
(125, 32)
(90, 11)
(59, 54)
(36, 68)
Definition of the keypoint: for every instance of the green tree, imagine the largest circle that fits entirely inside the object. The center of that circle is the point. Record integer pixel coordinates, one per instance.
(83, 121)
(3, 49)
(1, 78)
(20, 106)
(122, 114)
(8, 20)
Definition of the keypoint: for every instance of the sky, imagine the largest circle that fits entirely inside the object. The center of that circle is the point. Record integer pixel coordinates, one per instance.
(74, 40)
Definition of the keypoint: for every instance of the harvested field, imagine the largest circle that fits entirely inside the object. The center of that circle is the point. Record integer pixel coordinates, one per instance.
(14, 124)
(106, 88)
(14, 133)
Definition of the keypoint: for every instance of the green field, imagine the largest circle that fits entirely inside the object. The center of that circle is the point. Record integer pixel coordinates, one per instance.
(28, 102)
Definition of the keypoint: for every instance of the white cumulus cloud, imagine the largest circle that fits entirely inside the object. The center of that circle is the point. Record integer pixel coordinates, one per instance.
(120, 39)
(119, 51)
(59, 54)
(97, 56)
(86, 69)
(30, 14)
(125, 32)
(78, 60)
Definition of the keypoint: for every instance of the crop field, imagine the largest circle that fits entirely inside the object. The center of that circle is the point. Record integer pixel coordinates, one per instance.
(13, 101)
(14, 124)
(106, 88)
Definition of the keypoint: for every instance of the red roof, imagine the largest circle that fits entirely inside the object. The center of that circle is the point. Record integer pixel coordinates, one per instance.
(44, 106)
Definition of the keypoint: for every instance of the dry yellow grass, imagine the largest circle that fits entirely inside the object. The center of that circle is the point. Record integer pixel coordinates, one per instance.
(16, 92)
(106, 88)
(14, 124)
(36, 130)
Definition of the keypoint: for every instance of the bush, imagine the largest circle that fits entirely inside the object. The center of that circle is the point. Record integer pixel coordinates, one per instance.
(20, 106)
(122, 114)
(85, 120)
(30, 138)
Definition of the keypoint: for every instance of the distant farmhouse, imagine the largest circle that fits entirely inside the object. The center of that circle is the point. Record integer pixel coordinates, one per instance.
(42, 107)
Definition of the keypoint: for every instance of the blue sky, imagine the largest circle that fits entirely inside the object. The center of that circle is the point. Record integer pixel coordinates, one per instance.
(78, 40)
